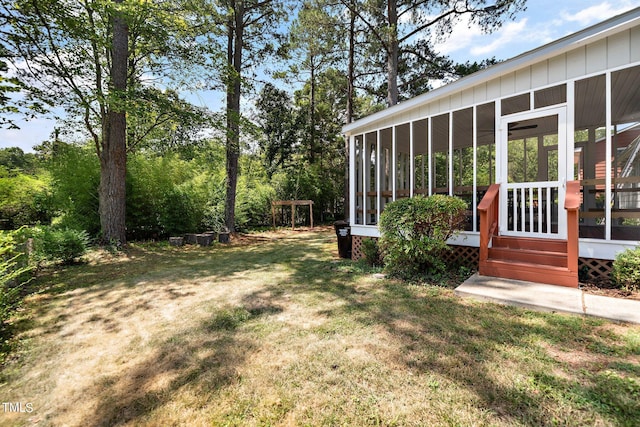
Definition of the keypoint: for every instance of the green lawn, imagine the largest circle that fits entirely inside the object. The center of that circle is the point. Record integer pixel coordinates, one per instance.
(279, 331)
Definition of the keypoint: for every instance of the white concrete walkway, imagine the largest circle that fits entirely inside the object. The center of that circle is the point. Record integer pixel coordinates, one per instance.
(549, 298)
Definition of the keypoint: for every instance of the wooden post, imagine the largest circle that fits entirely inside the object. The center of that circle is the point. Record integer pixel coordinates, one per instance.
(273, 214)
(293, 216)
(572, 205)
(488, 208)
(311, 214)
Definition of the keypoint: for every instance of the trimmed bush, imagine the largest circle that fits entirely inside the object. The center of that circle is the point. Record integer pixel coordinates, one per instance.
(65, 245)
(626, 270)
(371, 252)
(415, 232)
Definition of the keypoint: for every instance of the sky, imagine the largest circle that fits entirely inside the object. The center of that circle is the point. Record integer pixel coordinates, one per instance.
(543, 22)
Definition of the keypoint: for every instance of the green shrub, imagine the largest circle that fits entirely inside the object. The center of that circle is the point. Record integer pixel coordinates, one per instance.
(165, 196)
(415, 232)
(24, 200)
(61, 245)
(75, 176)
(626, 269)
(371, 252)
(14, 273)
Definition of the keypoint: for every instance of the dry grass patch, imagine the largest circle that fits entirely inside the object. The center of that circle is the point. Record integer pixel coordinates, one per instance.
(275, 330)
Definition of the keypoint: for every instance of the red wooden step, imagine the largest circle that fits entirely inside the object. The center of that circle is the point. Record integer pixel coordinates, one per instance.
(557, 259)
(529, 243)
(538, 273)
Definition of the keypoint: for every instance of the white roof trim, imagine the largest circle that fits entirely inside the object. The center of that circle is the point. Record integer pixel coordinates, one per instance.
(589, 35)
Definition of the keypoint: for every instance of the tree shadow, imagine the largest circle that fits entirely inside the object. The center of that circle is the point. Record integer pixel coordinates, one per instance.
(205, 358)
(463, 341)
(434, 333)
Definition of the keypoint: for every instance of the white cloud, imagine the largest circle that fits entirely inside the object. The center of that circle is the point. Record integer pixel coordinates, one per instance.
(536, 28)
(507, 34)
(461, 37)
(597, 12)
(469, 41)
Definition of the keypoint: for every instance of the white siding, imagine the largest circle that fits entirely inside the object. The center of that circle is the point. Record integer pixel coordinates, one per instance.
(618, 50)
(508, 84)
(576, 63)
(455, 101)
(539, 74)
(493, 89)
(557, 69)
(523, 80)
(480, 93)
(634, 45)
(467, 97)
(444, 105)
(597, 56)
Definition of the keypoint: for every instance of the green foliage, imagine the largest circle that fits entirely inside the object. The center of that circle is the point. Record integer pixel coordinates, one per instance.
(60, 245)
(415, 231)
(626, 269)
(165, 196)
(24, 199)
(302, 146)
(14, 159)
(323, 185)
(371, 252)
(14, 273)
(75, 176)
(253, 203)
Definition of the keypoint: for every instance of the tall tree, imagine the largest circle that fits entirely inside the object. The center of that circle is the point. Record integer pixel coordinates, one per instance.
(113, 152)
(405, 29)
(94, 58)
(251, 27)
(313, 47)
(277, 120)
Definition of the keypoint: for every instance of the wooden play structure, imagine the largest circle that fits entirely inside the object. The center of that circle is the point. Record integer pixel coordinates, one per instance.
(293, 204)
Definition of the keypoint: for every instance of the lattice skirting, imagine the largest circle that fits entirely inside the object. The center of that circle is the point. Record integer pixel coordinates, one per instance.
(466, 256)
(460, 255)
(590, 269)
(356, 247)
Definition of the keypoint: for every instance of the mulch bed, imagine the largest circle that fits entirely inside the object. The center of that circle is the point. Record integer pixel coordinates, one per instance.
(607, 289)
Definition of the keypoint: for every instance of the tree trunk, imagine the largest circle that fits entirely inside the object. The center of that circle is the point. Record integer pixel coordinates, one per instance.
(350, 96)
(234, 52)
(113, 156)
(312, 112)
(392, 54)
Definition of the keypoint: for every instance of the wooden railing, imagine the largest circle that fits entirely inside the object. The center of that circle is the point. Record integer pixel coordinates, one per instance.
(488, 208)
(572, 205)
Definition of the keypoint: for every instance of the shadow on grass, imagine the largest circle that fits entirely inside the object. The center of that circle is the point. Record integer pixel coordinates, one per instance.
(435, 333)
(203, 360)
(462, 341)
(169, 268)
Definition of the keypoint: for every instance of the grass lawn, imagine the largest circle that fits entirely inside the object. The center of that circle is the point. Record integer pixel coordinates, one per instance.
(279, 331)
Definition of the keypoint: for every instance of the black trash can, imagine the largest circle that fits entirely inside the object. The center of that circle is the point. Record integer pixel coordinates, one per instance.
(343, 232)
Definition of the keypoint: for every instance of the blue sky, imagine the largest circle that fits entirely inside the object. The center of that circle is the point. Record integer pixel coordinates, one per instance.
(542, 22)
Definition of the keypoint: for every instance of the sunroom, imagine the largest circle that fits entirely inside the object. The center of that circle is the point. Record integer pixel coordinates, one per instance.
(563, 116)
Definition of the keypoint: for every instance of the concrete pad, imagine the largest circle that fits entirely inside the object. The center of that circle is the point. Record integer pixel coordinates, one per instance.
(552, 298)
(624, 310)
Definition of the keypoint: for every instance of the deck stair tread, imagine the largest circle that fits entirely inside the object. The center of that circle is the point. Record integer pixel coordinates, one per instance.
(558, 259)
(526, 258)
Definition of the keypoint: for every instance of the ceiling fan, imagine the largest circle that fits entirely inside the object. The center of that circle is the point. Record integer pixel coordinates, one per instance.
(514, 126)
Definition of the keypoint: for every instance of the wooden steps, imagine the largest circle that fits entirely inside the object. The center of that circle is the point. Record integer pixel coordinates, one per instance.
(530, 259)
